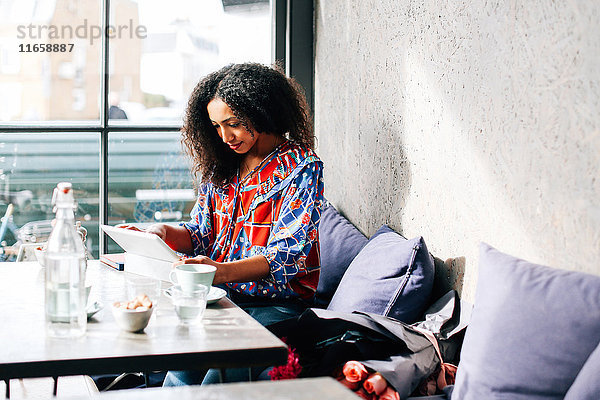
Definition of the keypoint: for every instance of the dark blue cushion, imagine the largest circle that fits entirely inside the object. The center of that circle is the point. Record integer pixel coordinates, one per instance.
(532, 329)
(391, 276)
(339, 243)
(587, 383)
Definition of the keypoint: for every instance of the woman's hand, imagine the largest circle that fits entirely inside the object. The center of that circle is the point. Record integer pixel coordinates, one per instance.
(219, 273)
(246, 270)
(197, 260)
(157, 229)
(130, 227)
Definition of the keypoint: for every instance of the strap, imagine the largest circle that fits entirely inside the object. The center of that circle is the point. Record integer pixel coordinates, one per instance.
(448, 371)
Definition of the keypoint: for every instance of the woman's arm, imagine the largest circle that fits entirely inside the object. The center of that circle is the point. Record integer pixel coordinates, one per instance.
(246, 270)
(295, 230)
(177, 237)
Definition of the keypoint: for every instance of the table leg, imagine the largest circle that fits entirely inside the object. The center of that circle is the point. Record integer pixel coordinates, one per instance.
(55, 387)
(7, 394)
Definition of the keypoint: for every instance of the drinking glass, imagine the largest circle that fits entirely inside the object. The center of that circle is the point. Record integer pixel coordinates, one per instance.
(189, 305)
(140, 285)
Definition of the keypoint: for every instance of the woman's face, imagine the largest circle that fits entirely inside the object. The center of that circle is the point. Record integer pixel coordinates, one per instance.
(230, 128)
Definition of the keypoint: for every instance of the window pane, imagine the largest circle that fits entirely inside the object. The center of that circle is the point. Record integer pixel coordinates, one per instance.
(30, 167)
(149, 180)
(50, 60)
(154, 70)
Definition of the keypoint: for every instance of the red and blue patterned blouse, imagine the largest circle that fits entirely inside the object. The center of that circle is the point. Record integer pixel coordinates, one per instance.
(274, 212)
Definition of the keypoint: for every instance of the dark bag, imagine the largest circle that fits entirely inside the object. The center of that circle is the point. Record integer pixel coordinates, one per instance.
(324, 340)
(134, 380)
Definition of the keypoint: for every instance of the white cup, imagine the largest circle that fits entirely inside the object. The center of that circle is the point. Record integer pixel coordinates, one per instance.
(190, 275)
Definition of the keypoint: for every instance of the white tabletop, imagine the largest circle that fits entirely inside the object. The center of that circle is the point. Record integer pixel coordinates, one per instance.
(227, 336)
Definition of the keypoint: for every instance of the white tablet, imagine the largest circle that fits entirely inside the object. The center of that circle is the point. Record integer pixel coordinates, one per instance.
(141, 243)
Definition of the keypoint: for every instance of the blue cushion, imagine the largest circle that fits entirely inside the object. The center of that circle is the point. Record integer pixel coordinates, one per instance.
(339, 243)
(587, 383)
(391, 276)
(385, 229)
(531, 331)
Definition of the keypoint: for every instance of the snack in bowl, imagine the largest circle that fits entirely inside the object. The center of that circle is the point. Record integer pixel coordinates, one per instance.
(142, 301)
(133, 315)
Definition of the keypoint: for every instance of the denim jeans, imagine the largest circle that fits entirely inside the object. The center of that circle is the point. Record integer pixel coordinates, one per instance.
(266, 313)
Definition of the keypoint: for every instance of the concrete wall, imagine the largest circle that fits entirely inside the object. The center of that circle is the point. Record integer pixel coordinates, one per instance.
(465, 122)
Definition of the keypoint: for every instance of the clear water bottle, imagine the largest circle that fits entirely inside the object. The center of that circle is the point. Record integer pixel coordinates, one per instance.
(65, 270)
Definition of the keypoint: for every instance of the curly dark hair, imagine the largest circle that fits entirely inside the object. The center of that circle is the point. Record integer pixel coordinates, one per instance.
(258, 95)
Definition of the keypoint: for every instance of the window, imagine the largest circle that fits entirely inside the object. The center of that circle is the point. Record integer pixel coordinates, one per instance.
(115, 136)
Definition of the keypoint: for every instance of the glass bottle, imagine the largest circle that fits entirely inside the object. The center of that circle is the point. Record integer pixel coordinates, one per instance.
(65, 270)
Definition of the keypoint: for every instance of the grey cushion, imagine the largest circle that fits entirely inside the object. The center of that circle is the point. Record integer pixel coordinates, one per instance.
(391, 276)
(531, 330)
(587, 383)
(339, 243)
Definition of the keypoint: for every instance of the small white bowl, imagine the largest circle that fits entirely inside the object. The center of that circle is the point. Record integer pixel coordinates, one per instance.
(132, 320)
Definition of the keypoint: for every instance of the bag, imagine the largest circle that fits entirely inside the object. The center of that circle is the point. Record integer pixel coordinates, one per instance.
(133, 380)
(403, 354)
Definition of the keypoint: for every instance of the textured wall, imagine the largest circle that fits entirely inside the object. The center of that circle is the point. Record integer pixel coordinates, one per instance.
(465, 122)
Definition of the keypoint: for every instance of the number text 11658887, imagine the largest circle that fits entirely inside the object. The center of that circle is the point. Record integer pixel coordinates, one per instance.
(46, 48)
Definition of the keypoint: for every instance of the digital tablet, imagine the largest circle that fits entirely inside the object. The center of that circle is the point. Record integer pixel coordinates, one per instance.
(141, 243)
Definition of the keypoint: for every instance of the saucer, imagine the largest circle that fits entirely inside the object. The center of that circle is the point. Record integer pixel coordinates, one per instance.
(94, 308)
(215, 294)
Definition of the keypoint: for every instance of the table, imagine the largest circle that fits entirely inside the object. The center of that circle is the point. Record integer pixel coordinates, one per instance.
(227, 336)
(294, 389)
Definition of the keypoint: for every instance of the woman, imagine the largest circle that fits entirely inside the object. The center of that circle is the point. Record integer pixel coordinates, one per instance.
(247, 129)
